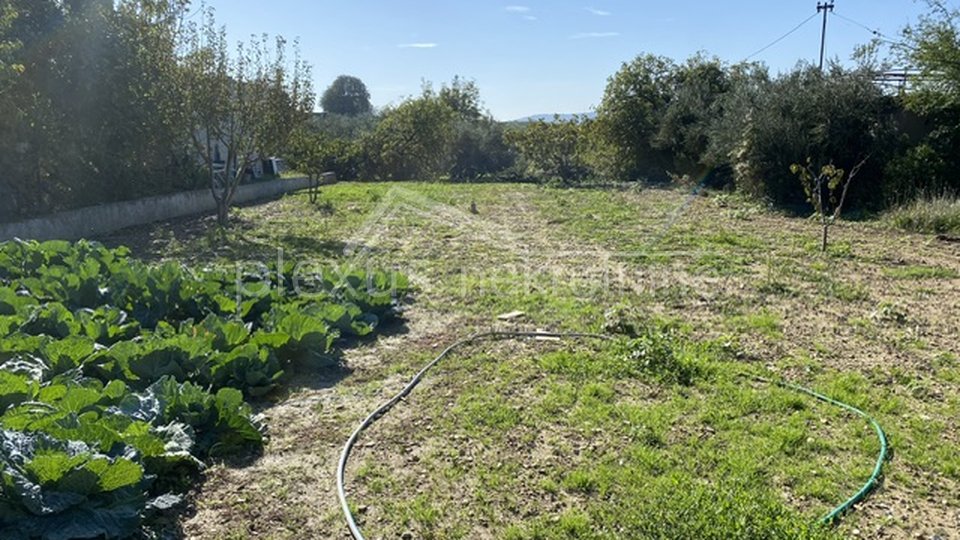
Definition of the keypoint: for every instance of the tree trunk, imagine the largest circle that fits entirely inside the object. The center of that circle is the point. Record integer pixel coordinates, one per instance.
(314, 188)
(223, 212)
(823, 243)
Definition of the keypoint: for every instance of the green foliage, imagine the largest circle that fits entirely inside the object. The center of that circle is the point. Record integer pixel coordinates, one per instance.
(93, 127)
(338, 126)
(101, 101)
(659, 353)
(697, 98)
(9, 69)
(932, 45)
(838, 116)
(414, 139)
(434, 135)
(346, 96)
(118, 377)
(628, 118)
(927, 215)
(463, 96)
(55, 490)
(823, 190)
(736, 124)
(313, 153)
(553, 150)
(240, 109)
(479, 149)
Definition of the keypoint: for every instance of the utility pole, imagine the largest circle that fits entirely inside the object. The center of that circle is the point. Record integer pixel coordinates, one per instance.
(825, 7)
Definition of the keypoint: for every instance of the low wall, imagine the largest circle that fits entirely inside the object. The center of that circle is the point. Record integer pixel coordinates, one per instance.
(106, 218)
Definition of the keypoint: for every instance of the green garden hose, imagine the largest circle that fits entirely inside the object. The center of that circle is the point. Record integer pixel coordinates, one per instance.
(829, 519)
(832, 516)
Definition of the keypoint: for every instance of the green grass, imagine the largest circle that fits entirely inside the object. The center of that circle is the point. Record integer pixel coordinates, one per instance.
(762, 322)
(668, 438)
(662, 433)
(921, 272)
(939, 215)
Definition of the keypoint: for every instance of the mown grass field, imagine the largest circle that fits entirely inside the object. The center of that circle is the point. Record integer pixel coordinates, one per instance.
(667, 436)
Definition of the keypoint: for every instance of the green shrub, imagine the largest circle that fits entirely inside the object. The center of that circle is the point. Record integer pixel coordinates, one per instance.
(937, 215)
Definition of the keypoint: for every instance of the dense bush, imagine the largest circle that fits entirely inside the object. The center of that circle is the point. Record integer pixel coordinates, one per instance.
(437, 135)
(553, 151)
(837, 117)
(312, 153)
(479, 150)
(90, 110)
(413, 140)
(112, 100)
(929, 166)
(659, 119)
(338, 126)
(628, 119)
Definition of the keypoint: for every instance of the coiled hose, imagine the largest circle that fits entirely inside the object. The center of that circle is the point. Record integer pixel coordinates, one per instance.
(830, 518)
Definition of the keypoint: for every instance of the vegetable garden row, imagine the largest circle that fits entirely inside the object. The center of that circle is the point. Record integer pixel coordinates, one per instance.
(119, 379)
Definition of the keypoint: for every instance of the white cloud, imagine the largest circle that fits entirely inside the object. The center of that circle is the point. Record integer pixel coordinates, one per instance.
(417, 45)
(586, 35)
(517, 9)
(598, 12)
(529, 17)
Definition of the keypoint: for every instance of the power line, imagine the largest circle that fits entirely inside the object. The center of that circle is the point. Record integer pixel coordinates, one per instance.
(861, 25)
(783, 37)
(874, 31)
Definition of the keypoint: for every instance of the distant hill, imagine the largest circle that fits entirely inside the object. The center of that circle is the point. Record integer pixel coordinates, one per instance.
(549, 117)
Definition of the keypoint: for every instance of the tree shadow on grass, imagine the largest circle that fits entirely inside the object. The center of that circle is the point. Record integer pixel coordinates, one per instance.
(317, 247)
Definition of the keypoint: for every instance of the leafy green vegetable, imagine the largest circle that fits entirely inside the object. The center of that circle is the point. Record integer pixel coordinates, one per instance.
(52, 319)
(111, 393)
(57, 490)
(254, 369)
(12, 303)
(107, 325)
(66, 354)
(15, 389)
(223, 423)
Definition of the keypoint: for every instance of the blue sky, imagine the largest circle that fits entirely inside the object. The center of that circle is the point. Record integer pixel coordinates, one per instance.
(539, 56)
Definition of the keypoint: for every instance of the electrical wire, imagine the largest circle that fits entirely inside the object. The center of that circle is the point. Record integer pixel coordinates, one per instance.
(781, 38)
(828, 519)
(883, 37)
(889, 40)
(861, 25)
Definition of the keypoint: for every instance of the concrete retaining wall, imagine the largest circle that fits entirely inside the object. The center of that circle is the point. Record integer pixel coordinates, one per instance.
(106, 218)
